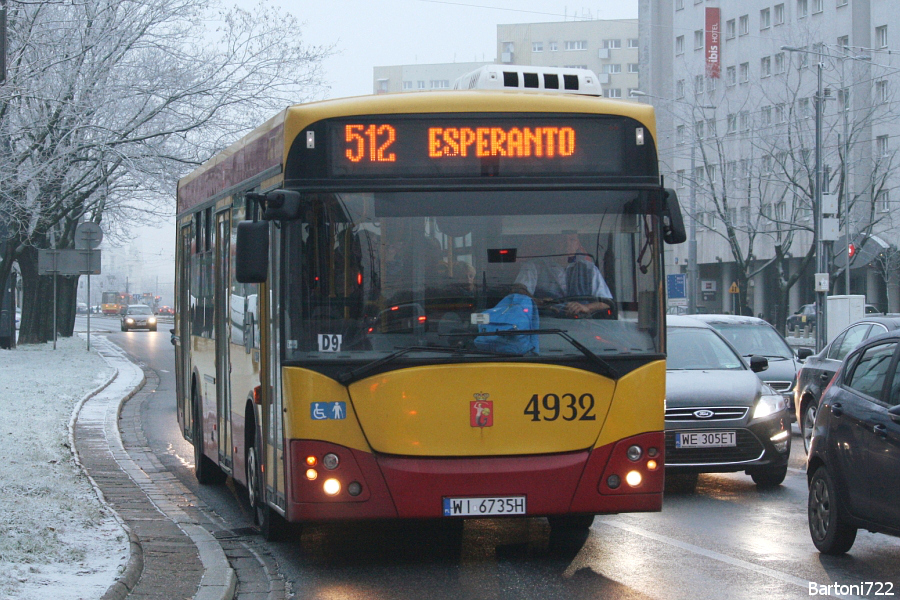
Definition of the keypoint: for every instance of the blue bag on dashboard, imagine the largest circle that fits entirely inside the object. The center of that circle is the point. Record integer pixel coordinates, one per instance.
(514, 312)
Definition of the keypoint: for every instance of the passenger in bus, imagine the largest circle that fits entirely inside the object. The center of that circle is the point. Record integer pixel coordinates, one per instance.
(566, 272)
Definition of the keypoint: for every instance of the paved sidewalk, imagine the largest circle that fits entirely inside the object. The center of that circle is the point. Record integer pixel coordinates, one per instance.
(173, 556)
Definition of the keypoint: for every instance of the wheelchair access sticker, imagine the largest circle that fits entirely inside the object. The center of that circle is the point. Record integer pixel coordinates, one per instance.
(324, 411)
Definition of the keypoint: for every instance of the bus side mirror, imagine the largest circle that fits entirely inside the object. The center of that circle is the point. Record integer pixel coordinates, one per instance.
(673, 224)
(251, 254)
(277, 205)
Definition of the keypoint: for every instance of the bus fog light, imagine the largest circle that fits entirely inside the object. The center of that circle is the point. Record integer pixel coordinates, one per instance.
(634, 453)
(330, 461)
(613, 481)
(651, 465)
(332, 487)
(354, 489)
(312, 474)
(633, 478)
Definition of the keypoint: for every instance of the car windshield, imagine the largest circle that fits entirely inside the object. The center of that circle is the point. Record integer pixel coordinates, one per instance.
(759, 340)
(697, 348)
(369, 274)
(139, 310)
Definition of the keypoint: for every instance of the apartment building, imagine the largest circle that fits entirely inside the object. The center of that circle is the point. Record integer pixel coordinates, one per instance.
(735, 88)
(608, 48)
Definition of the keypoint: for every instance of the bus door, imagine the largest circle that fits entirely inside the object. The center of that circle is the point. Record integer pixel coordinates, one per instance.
(185, 309)
(223, 335)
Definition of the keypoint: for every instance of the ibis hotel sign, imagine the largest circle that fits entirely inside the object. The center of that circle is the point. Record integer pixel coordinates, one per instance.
(713, 42)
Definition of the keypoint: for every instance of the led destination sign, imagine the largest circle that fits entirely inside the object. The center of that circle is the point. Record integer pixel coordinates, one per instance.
(476, 146)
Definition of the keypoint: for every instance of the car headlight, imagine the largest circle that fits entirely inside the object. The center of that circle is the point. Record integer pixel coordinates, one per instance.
(129, 320)
(151, 320)
(768, 405)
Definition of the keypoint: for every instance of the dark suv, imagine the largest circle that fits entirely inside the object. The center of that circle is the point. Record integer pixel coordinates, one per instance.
(854, 461)
(820, 368)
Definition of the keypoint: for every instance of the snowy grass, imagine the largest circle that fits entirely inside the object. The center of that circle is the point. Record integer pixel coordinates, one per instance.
(56, 539)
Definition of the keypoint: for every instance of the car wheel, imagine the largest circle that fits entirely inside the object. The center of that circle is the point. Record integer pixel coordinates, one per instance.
(205, 470)
(124, 328)
(828, 527)
(271, 525)
(769, 477)
(571, 522)
(808, 423)
(153, 328)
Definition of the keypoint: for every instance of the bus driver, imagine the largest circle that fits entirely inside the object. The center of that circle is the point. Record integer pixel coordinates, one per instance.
(567, 272)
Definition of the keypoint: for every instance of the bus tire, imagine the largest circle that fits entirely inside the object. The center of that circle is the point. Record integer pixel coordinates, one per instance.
(271, 525)
(206, 471)
(571, 522)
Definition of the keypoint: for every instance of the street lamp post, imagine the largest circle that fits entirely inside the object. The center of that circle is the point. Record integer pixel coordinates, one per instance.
(821, 316)
(693, 269)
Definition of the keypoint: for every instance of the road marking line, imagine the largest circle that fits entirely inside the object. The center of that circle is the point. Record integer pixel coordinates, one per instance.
(735, 562)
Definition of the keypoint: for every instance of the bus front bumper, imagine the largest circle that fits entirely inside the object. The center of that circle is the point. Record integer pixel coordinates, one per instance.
(368, 486)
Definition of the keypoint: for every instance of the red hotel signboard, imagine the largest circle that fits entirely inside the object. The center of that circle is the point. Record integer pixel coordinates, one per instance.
(713, 35)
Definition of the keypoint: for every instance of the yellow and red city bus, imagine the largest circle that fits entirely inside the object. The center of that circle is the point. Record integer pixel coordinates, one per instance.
(112, 303)
(350, 341)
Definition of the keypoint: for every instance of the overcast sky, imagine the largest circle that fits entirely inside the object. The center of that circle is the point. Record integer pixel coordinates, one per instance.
(370, 33)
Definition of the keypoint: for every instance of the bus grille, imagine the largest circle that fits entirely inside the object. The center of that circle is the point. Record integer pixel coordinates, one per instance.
(748, 448)
(720, 413)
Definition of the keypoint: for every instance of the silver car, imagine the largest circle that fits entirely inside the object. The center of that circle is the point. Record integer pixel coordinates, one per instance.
(138, 316)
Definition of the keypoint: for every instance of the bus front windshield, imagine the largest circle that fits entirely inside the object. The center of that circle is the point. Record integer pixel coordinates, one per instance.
(368, 275)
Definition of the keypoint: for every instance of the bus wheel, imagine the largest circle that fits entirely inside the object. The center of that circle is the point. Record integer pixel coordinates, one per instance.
(206, 471)
(271, 525)
(571, 522)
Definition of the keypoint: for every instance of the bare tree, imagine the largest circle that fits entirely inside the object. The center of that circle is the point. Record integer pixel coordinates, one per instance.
(107, 103)
(756, 167)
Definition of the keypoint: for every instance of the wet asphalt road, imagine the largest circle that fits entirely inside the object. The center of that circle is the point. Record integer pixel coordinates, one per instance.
(725, 540)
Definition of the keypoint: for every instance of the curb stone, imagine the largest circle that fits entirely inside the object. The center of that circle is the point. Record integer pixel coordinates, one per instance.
(218, 581)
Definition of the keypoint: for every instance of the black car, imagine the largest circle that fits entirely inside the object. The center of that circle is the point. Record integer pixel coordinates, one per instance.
(820, 368)
(854, 461)
(720, 417)
(804, 317)
(755, 337)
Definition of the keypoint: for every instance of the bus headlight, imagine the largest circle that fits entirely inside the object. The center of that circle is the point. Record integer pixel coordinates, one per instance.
(633, 478)
(332, 487)
(768, 405)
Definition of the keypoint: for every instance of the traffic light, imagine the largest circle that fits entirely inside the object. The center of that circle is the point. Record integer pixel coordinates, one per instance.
(851, 250)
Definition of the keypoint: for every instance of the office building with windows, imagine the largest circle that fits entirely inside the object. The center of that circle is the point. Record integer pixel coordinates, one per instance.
(735, 88)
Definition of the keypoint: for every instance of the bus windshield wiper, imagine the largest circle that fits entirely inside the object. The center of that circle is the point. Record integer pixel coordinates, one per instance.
(606, 369)
(371, 366)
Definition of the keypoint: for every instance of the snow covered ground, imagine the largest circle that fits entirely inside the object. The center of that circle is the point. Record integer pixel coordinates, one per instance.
(57, 541)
